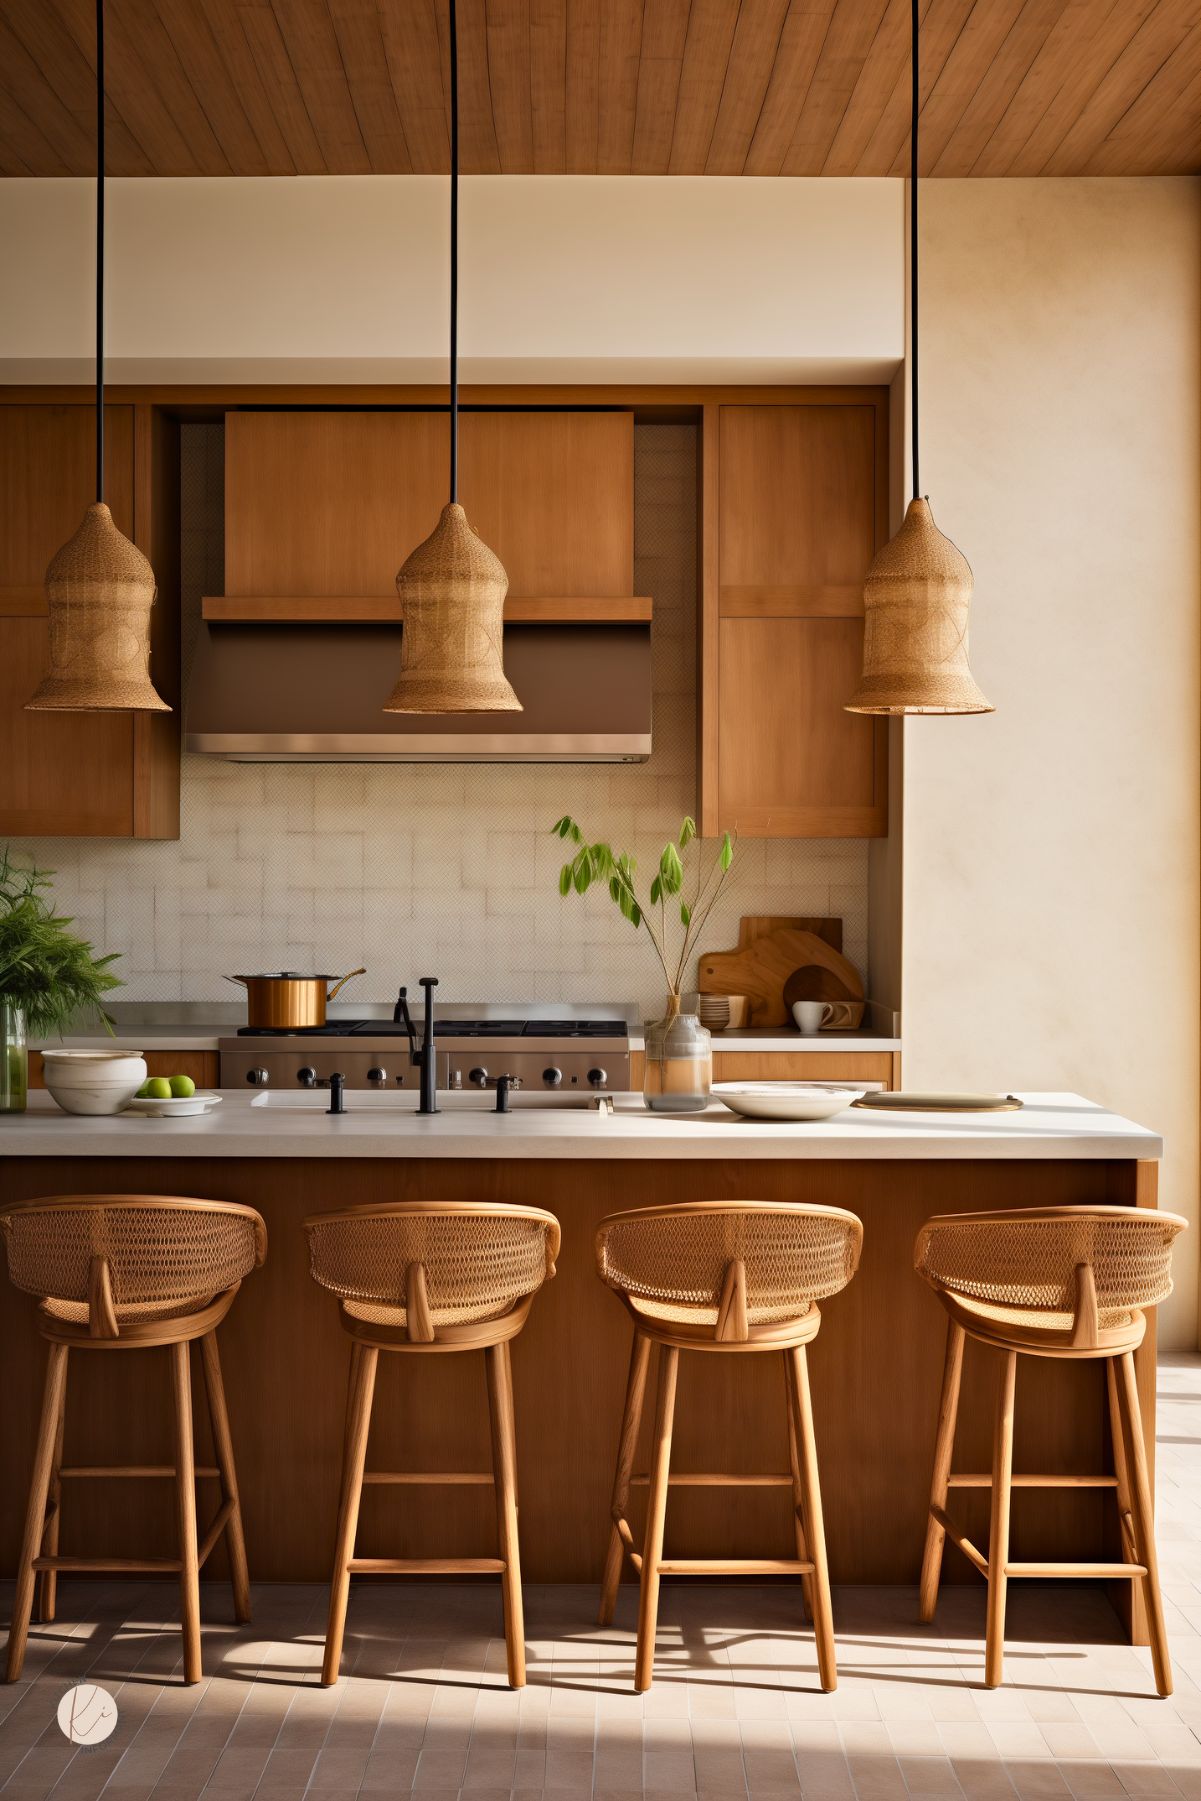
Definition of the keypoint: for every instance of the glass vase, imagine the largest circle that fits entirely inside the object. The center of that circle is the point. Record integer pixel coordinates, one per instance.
(679, 1062)
(14, 1059)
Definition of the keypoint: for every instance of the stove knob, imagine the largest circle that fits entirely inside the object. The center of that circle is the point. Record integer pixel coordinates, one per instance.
(599, 1078)
(552, 1077)
(479, 1077)
(258, 1078)
(377, 1075)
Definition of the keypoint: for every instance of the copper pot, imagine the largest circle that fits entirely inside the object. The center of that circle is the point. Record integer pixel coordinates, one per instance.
(284, 1001)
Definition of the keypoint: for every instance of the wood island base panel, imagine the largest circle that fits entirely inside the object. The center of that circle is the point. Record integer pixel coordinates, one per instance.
(876, 1367)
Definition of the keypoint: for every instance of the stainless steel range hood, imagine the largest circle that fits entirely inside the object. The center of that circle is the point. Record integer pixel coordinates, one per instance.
(315, 694)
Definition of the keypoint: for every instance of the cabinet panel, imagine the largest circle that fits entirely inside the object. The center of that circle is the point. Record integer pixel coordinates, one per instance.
(794, 503)
(332, 503)
(553, 495)
(791, 762)
(329, 503)
(805, 1066)
(202, 1066)
(797, 507)
(61, 774)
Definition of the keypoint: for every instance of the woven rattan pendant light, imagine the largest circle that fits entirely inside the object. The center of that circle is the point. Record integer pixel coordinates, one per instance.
(918, 590)
(452, 588)
(99, 586)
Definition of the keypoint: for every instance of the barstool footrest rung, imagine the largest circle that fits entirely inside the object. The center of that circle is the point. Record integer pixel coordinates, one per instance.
(984, 1480)
(735, 1566)
(717, 1479)
(96, 1471)
(435, 1478)
(959, 1539)
(426, 1566)
(112, 1565)
(221, 1520)
(1093, 1572)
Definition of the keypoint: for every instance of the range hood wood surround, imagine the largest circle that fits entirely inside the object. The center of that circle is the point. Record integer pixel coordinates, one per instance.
(296, 659)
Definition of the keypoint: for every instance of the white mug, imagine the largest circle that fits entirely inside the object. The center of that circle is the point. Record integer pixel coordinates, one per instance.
(811, 1016)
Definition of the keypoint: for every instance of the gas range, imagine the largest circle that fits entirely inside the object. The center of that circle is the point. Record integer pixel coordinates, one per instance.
(538, 1051)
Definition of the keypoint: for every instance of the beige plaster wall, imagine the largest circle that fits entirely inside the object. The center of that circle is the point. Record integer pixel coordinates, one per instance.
(1051, 849)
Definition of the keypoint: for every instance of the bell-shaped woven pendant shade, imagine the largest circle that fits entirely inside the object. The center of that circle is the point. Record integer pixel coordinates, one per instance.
(452, 596)
(100, 590)
(916, 597)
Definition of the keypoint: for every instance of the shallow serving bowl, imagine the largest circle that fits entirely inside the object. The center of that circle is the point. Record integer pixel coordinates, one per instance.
(784, 1100)
(178, 1107)
(93, 1081)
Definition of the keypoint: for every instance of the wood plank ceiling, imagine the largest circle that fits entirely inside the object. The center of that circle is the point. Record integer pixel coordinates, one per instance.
(615, 87)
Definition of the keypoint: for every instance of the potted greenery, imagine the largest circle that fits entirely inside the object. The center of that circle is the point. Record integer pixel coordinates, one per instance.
(48, 976)
(679, 1054)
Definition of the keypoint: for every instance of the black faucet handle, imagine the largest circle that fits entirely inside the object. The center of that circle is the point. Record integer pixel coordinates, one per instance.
(427, 982)
(337, 1085)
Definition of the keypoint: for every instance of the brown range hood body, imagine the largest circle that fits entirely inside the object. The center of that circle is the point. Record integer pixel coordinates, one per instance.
(316, 693)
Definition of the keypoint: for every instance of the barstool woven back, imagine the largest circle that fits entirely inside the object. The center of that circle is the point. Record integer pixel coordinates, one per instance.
(478, 1258)
(1028, 1262)
(672, 1263)
(161, 1251)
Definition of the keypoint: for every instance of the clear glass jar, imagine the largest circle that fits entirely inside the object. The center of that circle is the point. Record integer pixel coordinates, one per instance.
(679, 1062)
(14, 1059)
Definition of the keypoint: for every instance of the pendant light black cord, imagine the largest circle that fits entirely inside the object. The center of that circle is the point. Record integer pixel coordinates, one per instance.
(454, 255)
(99, 250)
(915, 108)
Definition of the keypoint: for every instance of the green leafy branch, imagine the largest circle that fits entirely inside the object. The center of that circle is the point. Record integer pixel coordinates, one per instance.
(595, 863)
(44, 968)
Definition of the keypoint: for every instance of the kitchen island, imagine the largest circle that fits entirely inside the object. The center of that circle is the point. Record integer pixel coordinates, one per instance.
(876, 1363)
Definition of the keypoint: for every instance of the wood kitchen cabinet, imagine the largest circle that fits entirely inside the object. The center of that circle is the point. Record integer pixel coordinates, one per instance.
(794, 504)
(84, 774)
(202, 1066)
(330, 504)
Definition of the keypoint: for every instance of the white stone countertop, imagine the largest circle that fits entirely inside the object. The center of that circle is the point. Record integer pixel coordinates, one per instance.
(1060, 1126)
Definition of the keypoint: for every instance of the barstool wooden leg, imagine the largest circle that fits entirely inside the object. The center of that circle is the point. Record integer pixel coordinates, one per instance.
(631, 1420)
(358, 1426)
(798, 1488)
(48, 1579)
(35, 1510)
(504, 1475)
(656, 1514)
(998, 1535)
(223, 1444)
(823, 1611)
(185, 1512)
(1143, 1517)
(944, 1449)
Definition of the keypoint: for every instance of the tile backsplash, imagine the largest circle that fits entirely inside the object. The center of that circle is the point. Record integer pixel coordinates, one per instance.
(418, 869)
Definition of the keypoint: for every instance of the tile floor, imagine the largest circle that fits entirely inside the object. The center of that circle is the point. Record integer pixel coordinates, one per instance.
(735, 1711)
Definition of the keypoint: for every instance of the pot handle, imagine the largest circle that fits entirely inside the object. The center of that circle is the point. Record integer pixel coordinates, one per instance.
(343, 982)
(238, 981)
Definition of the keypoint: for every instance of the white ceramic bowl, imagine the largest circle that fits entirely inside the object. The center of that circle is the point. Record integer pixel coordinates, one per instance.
(93, 1081)
(784, 1100)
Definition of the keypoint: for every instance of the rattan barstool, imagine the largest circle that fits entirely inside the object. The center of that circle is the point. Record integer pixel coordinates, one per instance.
(736, 1276)
(1047, 1282)
(130, 1272)
(438, 1276)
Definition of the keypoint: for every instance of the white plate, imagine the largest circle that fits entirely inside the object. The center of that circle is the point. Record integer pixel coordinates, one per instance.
(176, 1107)
(785, 1100)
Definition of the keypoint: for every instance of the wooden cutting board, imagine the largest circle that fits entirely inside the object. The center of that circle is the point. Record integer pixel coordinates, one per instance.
(760, 968)
(758, 925)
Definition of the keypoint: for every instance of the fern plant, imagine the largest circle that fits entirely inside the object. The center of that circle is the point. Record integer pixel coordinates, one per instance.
(601, 863)
(45, 970)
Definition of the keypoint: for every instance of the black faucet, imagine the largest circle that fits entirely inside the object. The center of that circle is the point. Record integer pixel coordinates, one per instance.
(502, 1093)
(425, 1056)
(337, 1083)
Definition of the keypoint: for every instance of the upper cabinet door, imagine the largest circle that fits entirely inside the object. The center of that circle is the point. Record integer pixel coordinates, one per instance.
(331, 504)
(61, 774)
(794, 499)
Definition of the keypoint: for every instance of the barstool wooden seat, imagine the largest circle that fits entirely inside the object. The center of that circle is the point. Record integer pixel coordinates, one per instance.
(734, 1276)
(131, 1272)
(442, 1277)
(1069, 1282)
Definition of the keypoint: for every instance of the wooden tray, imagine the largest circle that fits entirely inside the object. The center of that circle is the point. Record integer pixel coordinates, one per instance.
(898, 1101)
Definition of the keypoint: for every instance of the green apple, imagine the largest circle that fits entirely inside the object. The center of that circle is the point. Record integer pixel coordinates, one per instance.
(144, 1091)
(182, 1087)
(157, 1089)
